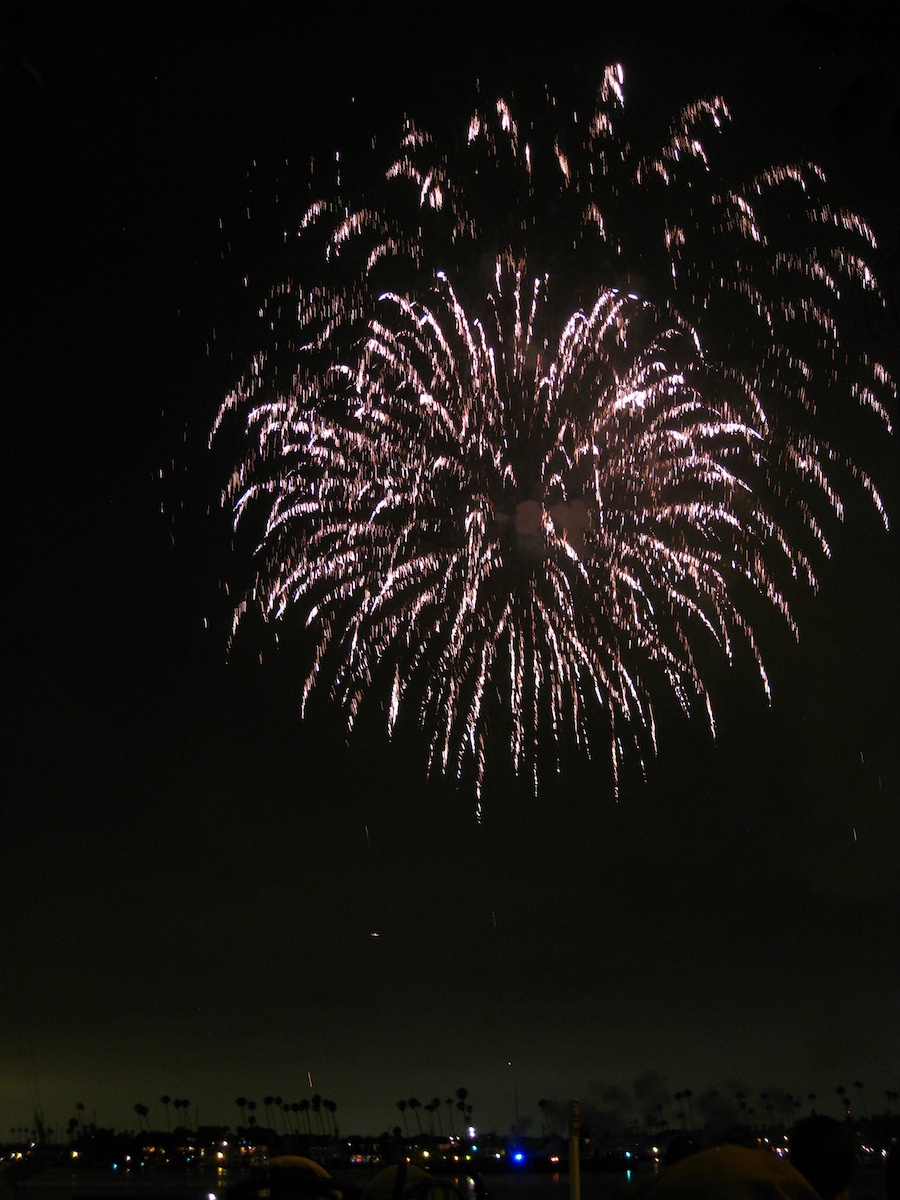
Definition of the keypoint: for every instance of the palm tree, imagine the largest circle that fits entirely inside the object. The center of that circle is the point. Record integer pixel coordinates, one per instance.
(241, 1102)
(859, 1088)
(688, 1095)
(268, 1101)
(461, 1096)
(415, 1106)
(304, 1108)
(401, 1104)
(166, 1101)
(842, 1092)
(450, 1111)
(316, 1104)
(142, 1110)
(436, 1107)
(709, 1105)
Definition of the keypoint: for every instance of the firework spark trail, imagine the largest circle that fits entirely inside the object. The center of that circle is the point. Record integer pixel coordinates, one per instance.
(519, 502)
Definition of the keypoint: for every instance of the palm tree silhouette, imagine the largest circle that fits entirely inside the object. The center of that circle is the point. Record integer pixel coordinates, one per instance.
(436, 1107)
(241, 1102)
(414, 1108)
(859, 1088)
(450, 1111)
(142, 1110)
(708, 1103)
(401, 1104)
(165, 1101)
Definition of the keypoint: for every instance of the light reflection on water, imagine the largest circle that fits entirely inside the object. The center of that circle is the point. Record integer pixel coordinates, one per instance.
(64, 1184)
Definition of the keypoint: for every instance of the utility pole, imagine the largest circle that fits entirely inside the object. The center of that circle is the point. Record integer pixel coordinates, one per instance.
(574, 1154)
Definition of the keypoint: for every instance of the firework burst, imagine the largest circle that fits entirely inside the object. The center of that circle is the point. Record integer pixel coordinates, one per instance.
(545, 419)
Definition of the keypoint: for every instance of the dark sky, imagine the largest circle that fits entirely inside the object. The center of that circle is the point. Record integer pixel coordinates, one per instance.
(192, 878)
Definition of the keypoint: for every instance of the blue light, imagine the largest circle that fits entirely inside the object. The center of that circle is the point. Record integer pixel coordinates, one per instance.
(518, 1156)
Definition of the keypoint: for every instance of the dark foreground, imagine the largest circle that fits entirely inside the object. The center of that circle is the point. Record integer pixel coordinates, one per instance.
(63, 1184)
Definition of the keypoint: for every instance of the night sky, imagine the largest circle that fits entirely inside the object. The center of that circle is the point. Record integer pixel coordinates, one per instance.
(203, 896)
